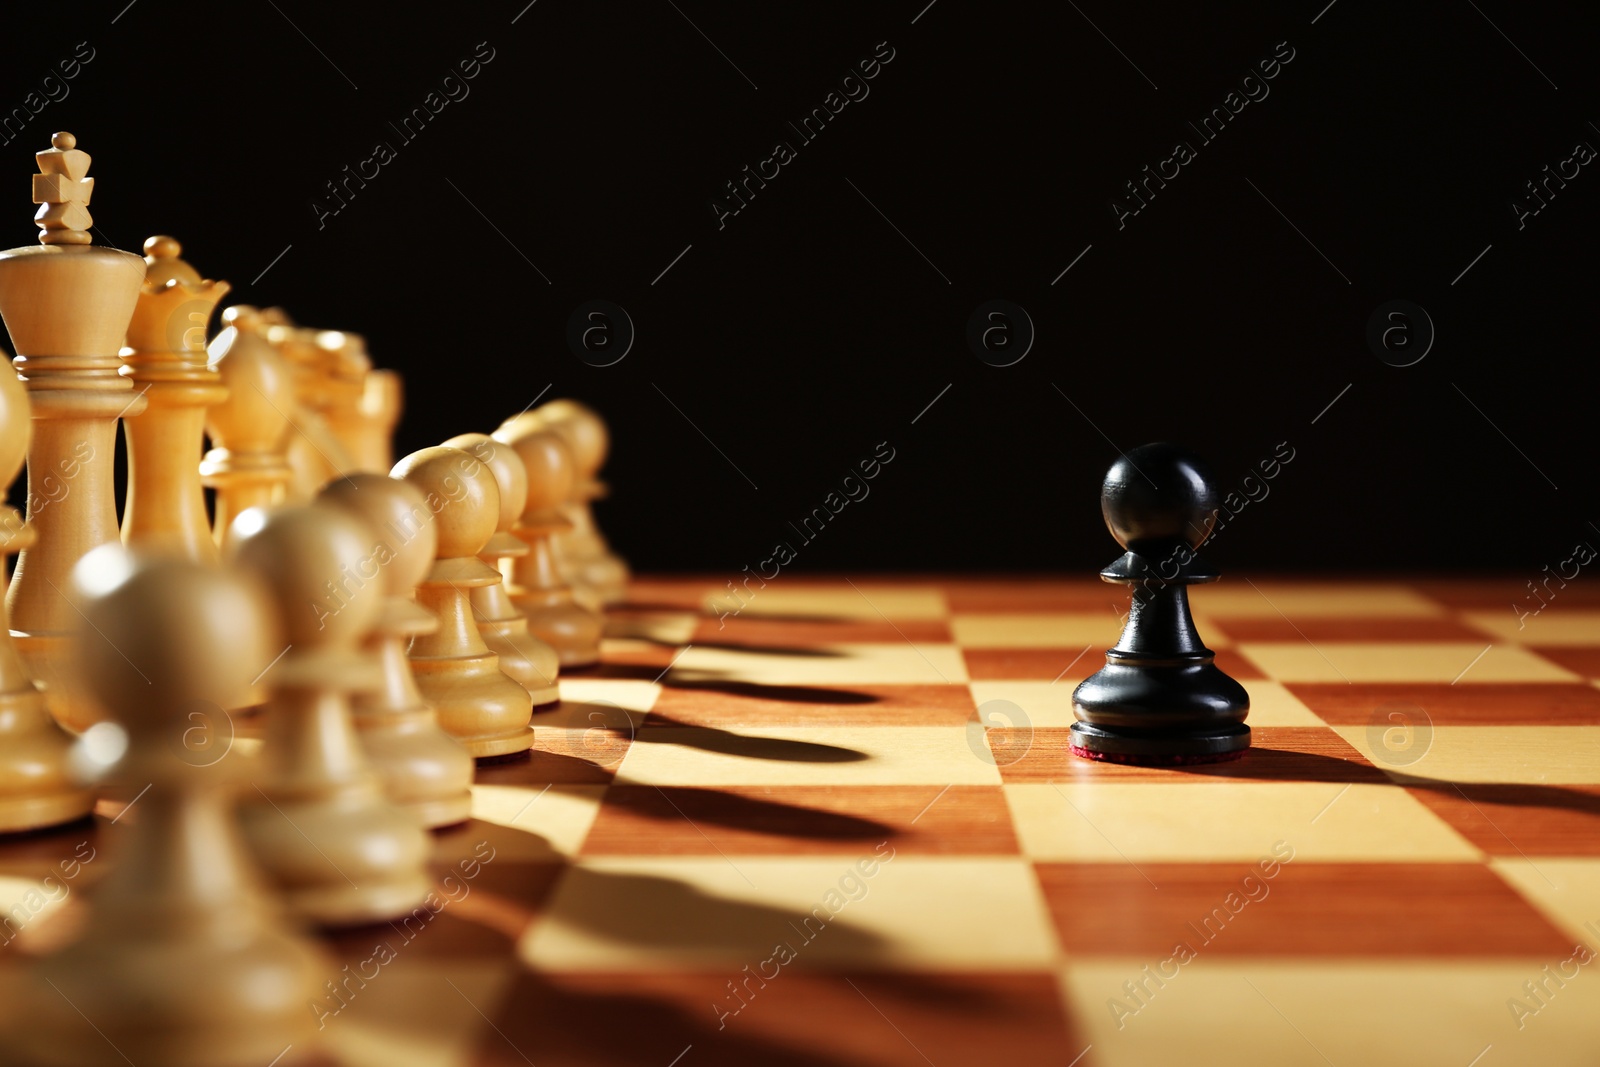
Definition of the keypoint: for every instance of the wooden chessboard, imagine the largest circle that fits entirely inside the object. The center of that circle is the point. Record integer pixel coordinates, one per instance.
(843, 827)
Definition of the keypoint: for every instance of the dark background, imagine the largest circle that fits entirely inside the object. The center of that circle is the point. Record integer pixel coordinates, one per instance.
(808, 329)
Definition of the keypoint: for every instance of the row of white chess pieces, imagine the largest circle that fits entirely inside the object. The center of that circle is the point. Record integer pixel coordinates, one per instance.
(182, 956)
(377, 636)
(483, 552)
(385, 627)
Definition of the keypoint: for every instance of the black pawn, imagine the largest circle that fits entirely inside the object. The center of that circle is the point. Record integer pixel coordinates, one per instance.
(1160, 698)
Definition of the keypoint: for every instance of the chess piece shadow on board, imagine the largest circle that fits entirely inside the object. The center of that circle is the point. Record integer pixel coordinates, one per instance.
(1160, 698)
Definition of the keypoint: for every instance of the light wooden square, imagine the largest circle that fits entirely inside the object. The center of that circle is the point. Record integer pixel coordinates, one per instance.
(1564, 889)
(1536, 755)
(1227, 1012)
(1419, 661)
(1236, 598)
(1271, 704)
(554, 819)
(581, 697)
(1044, 703)
(913, 913)
(1065, 630)
(1229, 822)
(1553, 626)
(863, 602)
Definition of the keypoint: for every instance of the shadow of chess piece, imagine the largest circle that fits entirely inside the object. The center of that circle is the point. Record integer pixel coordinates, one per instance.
(423, 768)
(183, 958)
(1159, 699)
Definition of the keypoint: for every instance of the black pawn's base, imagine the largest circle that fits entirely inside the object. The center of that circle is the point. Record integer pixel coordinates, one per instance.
(1143, 748)
(1160, 711)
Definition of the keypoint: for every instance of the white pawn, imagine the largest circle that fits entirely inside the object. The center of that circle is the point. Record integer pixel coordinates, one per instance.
(183, 961)
(539, 587)
(423, 768)
(593, 562)
(340, 851)
(505, 629)
(478, 704)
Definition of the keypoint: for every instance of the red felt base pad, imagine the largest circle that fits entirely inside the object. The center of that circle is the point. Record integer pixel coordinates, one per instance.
(1157, 761)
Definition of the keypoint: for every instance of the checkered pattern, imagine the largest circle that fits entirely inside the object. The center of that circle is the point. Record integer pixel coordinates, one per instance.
(718, 789)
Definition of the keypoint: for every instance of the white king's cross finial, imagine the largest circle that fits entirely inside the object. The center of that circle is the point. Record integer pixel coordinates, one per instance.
(62, 189)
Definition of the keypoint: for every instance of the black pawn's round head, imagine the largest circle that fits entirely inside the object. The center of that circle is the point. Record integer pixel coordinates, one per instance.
(1158, 497)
